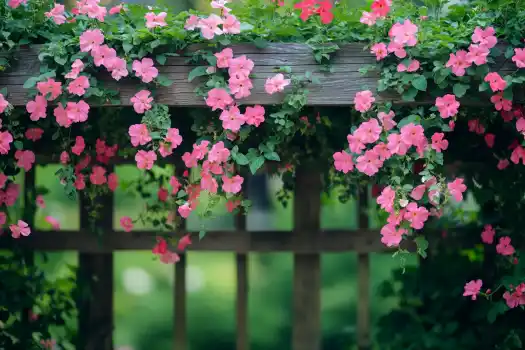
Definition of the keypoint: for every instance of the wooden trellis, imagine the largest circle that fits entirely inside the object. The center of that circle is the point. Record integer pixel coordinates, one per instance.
(307, 241)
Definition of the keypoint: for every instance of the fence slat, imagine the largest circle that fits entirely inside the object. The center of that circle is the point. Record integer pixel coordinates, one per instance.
(306, 333)
(96, 271)
(363, 276)
(179, 302)
(241, 262)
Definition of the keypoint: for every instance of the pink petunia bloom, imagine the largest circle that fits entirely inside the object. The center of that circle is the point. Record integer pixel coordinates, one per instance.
(173, 137)
(55, 224)
(231, 25)
(485, 37)
(184, 210)
(79, 146)
(64, 157)
(438, 142)
(175, 185)
(386, 199)
(355, 144)
(232, 184)
(221, 4)
(474, 125)
(192, 22)
(519, 58)
(240, 67)
(386, 120)
(126, 223)
(116, 9)
(57, 14)
(37, 108)
(487, 236)
(363, 100)
(412, 135)
(50, 88)
(477, 54)
(98, 175)
(40, 202)
(21, 228)
(500, 103)
(113, 182)
(61, 116)
(103, 55)
(91, 39)
(518, 154)
(404, 33)
(369, 131)
(15, 3)
(240, 87)
(78, 86)
(76, 67)
(118, 67)
(254, 115)
(447, 106)
(368, 18)
(153, 20)
(77, 112)
(3, 105)
(456, 189)
(458, 63)
(232, 119)
(169, 258)
(343, 162)
(218, 153)
(80, 182)
(496, 82)
(369, 163)
(139, 134)
(416, 215)
(5, 142)
(413, 66)
(184, 242)
(397, 48)
(502, 164)
(380, 50)
(390, 236)
(34, 134)
(224, 57)
(210, 26)
(25, 159)
(472, 289)
(145, 159)
(418, 192)
(396, 145)
(381, 7)
(3, 179)
(142, 101)
(276, 83)
(144, 69)
(504, 247)
(218, 99)
(489, 140)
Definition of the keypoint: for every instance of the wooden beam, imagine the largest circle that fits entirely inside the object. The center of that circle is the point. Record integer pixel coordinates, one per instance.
(238, 241)
(180, 316)
(363, 278)
(241, 263)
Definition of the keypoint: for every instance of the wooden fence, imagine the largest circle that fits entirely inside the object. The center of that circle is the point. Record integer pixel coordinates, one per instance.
(307, 241)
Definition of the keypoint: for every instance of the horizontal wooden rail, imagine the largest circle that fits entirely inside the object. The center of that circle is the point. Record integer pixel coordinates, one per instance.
(362, 240)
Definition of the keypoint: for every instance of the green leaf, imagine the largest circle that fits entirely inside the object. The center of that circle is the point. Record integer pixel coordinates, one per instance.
(260, 43)
(420, 82)
(256, 163)
(31, 82)
(18, 145)
(241, 159)
(509, 52)
(496, 309)
(164, 81)
(161, 59)
(409, 95)
(413, 118)
(197, 72)
(422, 246)
(460, 89)
(127, 47)
(272, 156)
(202, 234)
(60, 60)
(484, 86)
(508, 94)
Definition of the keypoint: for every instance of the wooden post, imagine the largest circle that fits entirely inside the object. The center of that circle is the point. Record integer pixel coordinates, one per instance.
(95, 273)
(363, 276)
(241, 260)
(180, 322)
(307, 272)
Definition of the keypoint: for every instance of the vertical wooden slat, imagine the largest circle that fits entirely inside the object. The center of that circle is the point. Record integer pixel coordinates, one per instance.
(95, 272)
(179, 296)
(241, 262)
(363, 276)
(307, 273)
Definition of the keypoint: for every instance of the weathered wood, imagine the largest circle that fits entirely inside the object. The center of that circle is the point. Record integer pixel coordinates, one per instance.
(179, 301)
(363, 278)
(239, 241)
(241, 262)
(306, 328)
(95, 272)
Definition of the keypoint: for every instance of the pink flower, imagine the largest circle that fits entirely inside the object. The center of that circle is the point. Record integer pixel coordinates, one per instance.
(232, 119)
(456, 189)
(519, 58)
(50, 89)
(368, 18)
(184, 210)
(386, 199)
(192, 22)
(386, 120)
(98, 175)
(221, 4)
(438, 142)
(381, 7)
(25, 159)
(61, 116)
(391, 237)
(404, 33)
(37, 108)
(363, 100)
(418, 192)
(500, 103)
(472, 289)
(34, 134)
(64, 157)
(142, 101)
(517, 154)
(79, 146)
(76, 67)
(397, 48)
(40, 202)
(276, 83)
(369, 163)
(173, 137)
(412, 135)
(224, 57)
(169, 258)
(145, 159)
(487, 236)
(15, 3)
(416, 215)
(118, 67)
(91, 39)
(504, 247)
(3, 218)
(254, 115)
(458, 63)
(3, 104)
(21, 228)
(126, 223)
(495, 81)
(153, 20)
(380, 50)
(477, 54)
(55, 224)
(485, 37)
(78, 86)
(116, 9)
(240, 67)
(232, 184)
(103, 56)
(413, 66)
(5, 142)
(343, 162)
(184, 242)
(210, 26)
(396, 145)
(502, 164)
(447, 106)
(240, 87)
(489, 140)
(77, 112)
(145, 69)
(113, 181)
(3, 179)
(175, 184)
(57, 14)
(218, 99)
(231, 25)
(218, 153)
(368, 132)
(139, 134)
